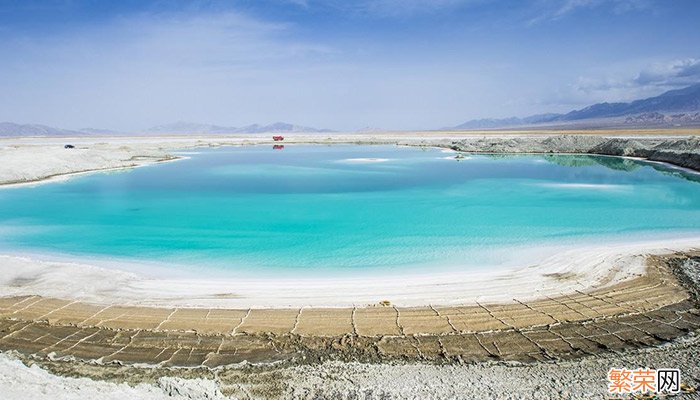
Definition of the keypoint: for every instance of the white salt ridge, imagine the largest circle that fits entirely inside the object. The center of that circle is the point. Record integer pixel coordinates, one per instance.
(594, 186)
(363, 160)
(591, 265)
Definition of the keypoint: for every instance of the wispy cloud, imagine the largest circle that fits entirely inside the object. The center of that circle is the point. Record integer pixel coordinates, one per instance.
(550, 10)
(177, 40)
(300, 3)
(666, 75)
(209, 39)
(388, 8)
(674, 73)
(409, 7)
(651, 79)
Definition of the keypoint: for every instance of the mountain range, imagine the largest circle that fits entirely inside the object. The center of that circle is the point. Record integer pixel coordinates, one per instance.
(680, 107)
(190, 127)
(10, 129)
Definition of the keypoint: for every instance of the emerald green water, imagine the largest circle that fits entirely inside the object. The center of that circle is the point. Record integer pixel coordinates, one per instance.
(328, 208)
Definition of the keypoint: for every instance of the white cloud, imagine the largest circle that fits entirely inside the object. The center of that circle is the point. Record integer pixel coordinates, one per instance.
(551, 10)
(621, 85)
(387, 8)
(673, 73)
(300, 3)
(408, 7)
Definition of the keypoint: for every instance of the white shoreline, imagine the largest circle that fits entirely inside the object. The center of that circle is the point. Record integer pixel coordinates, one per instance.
(592, 266)
(64, 177)
(101, 154)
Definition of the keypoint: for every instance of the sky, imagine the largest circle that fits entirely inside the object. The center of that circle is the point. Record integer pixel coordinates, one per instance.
(339, 64)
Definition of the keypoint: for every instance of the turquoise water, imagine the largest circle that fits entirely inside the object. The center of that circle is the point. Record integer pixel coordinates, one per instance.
(323, 208)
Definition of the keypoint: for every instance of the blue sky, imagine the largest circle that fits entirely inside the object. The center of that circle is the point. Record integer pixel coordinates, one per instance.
(385, 64)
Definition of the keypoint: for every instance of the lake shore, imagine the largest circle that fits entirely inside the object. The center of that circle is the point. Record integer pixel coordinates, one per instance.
(652, 320)
(580, 303)
(106, 333)
(558, 270)
(91, 154)
(587, 265)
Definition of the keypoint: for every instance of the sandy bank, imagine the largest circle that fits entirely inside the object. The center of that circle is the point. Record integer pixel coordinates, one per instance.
(646, 311)
(613, 342)
(571, 379)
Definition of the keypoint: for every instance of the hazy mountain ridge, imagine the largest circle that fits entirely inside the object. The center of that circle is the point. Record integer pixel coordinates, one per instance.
(673, 108)
(10, 129)
(659, 118)
(191, 127)
(280, 127)
(99, 131)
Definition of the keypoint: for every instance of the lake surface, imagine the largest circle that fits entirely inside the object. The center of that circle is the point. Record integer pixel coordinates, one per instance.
(317, 209)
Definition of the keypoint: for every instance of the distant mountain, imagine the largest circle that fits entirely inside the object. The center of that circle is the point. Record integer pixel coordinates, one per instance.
(195, 128)
(190, 127)
(656, 118)
(12, 129)
(512, 121)
(98, 131)
(672, 108)
(681, 100)
(280, 127)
